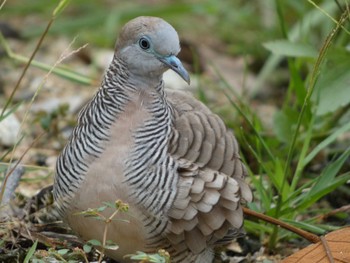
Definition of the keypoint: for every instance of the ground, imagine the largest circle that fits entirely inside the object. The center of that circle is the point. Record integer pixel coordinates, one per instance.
(256, 92)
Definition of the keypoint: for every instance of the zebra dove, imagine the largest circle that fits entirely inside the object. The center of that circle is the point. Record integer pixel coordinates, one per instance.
(162, 152)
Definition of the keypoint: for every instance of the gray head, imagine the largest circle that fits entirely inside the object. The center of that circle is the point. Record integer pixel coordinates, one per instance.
(149, 46)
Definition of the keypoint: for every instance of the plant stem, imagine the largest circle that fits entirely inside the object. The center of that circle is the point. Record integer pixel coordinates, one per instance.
(102, 252)
(104, 240)
(27, 66)
(307, 235)
(327, 249)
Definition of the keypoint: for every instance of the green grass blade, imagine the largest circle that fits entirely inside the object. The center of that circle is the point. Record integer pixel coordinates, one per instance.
(262, 192)
(330, 172)
(261, 140)
(60, 7)
(311, 197)
(59, 71)
(301, 160)
(31, 252)
(255, 227)
(9, 112)
(306, 226)
(330, 139)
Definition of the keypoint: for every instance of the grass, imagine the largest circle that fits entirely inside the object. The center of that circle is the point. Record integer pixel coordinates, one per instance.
(306, 39)
(297, 130)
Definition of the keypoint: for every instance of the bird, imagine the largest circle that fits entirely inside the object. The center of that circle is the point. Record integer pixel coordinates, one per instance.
(162, 152)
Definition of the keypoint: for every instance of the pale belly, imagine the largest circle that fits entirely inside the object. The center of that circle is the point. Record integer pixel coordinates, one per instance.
(105, 184)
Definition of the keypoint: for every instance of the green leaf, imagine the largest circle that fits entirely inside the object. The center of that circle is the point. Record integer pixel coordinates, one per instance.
(62, 251)
(290, 49)
(101, 208)
(94, 213)
(331, 138)
(94, 242)
(324, 184)
(329, 173)
(139, 256)
(154, 258)
(111, 247)
(306, 226)
(87, 248)
(256, 227)
(332, 87)
(109, 204)
(31, 252)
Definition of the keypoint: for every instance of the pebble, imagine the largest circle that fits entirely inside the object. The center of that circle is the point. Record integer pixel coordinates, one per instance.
(9, 130)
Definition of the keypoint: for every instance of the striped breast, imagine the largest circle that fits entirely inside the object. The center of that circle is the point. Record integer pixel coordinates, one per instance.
(131, 163)
(89, 137)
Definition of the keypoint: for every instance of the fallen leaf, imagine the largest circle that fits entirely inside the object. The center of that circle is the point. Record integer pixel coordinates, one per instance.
(339, 246)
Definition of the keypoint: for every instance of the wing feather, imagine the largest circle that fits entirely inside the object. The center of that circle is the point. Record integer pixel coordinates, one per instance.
(207, 209)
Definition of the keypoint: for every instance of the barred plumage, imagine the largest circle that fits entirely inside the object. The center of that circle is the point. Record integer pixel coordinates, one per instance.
(86, 141)
(163, 153)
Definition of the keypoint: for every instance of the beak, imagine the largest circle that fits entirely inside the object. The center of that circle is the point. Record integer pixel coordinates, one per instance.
(175, 64)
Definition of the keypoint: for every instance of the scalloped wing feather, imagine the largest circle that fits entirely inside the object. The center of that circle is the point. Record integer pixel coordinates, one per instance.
(208, 209)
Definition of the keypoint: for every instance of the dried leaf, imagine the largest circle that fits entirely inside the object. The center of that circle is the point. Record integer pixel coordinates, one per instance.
(339, 245)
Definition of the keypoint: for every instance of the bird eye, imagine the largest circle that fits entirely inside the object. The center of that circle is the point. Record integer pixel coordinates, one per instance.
(144, 43)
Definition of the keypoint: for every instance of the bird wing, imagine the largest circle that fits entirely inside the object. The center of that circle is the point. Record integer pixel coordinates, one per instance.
(210, 177)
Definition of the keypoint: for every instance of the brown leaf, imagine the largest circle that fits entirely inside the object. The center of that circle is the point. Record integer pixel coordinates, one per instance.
(338, 243)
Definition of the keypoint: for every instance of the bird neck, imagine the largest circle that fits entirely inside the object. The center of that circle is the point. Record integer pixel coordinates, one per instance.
(120, 80)
(149, 149)
(121, 86)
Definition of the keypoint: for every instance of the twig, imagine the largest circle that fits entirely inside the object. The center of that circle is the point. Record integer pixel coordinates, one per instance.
(16, 164)
(344, 208)
(307, 235)
(327, 249)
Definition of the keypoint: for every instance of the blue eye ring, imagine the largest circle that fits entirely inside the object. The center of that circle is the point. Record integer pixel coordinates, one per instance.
(144, 43)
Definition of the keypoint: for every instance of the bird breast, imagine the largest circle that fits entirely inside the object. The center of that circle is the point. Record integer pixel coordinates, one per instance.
(104, 182)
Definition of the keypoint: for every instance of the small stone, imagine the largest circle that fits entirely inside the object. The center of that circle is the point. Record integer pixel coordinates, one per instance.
(9, 129)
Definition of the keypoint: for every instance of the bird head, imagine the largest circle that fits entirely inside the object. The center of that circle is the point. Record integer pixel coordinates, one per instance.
(149, 46)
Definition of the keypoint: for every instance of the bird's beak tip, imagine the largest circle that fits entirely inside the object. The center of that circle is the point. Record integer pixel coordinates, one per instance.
(175, 64)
